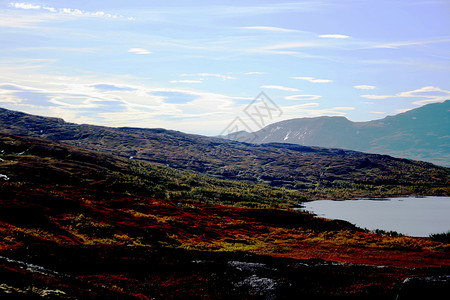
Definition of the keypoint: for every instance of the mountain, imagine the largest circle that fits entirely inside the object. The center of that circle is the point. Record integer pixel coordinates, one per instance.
(420, 134)
(81, 224)
(316, 172)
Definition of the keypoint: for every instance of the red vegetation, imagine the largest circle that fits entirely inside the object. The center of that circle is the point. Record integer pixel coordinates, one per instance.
(130, 246)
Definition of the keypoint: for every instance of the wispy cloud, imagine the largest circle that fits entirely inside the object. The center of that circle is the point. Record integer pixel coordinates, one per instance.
(66, 11)
(254, 73)
(312, 110)
(334, 36)
(344, 108)
(25, 5)
(289, 48)
(139, 51)
(292, 45)
(269, 28)
(429, 93)
(279, 87)
(364, 87)
(24, 21)
(411, 43)
(187, 81)
(313, 80)
(303, 97)
(377, 96)
(118, 103)
(221, 76)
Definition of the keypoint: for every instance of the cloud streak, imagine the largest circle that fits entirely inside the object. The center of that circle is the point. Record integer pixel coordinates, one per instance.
(25, 5)
(139, 51)
(269, 28)
(334, 36)
(66, 11)
(221, 76)
(397, 45)
(364, 87)
(313, 80)
(303, 97)
(429, 93)
(279, 87)
(187, 81)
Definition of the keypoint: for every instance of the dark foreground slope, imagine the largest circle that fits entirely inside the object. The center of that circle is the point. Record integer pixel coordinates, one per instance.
(78, 224)
(420, 134)
(320, 172)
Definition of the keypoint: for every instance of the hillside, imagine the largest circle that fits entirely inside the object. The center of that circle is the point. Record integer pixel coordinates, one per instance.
(419, 134)
(80, 224)
(318, 172)
(39, 162)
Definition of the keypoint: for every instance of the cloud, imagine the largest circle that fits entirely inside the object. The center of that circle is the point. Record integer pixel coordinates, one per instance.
(288, 48)
(334, 36)
(364, 87)
(51, 9)
(269, 28)
(223, 77)
(429, 93)
(139, 51)
(24, 5)
(312, 110)
(344, 108)
(313, 80)
(279, 87)
(377, 96)
(111, 87)
(66, 11)
(303, 97)
(402, 110)
(378, 112)
(113, 102)
(187, 81)
(292, 45)
(410, 43)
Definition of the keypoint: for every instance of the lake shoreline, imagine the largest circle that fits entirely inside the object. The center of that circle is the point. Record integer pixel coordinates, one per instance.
(409, 216)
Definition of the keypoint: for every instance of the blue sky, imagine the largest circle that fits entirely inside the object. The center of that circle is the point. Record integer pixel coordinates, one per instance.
(194, 66)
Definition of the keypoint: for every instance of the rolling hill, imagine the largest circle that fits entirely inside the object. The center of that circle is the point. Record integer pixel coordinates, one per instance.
(81, 224)
(318, 172)
(420, 134)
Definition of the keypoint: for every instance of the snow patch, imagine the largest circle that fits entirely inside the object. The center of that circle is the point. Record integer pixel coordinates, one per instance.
(287, 135)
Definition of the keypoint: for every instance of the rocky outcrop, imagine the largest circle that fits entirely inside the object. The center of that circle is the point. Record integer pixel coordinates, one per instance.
(432, 287)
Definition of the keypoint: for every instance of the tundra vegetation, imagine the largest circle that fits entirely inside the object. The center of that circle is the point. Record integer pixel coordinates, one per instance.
(85, 224)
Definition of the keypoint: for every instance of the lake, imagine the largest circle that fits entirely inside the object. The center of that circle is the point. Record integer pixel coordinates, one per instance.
(407, 215)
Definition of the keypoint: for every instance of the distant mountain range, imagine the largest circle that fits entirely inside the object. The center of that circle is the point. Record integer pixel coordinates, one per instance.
(419, 134)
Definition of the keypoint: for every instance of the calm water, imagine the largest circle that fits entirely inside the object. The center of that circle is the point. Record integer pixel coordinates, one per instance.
(409, 215)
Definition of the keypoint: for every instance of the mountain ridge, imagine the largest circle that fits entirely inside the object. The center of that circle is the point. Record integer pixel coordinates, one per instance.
(419, 134)
(319, 172)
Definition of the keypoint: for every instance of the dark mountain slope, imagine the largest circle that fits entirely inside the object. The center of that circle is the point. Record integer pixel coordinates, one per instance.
(80, 224)
(420, 134)
(295, 167)
(36, 162)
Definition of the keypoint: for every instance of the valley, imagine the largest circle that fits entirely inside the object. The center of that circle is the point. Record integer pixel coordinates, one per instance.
(83, 219)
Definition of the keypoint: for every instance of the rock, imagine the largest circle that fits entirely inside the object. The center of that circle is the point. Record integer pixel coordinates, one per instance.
(247, 266)
(260, 286)
(433, 287)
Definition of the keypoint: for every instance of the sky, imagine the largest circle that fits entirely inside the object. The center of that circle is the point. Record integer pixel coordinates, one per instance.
(198, 66)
